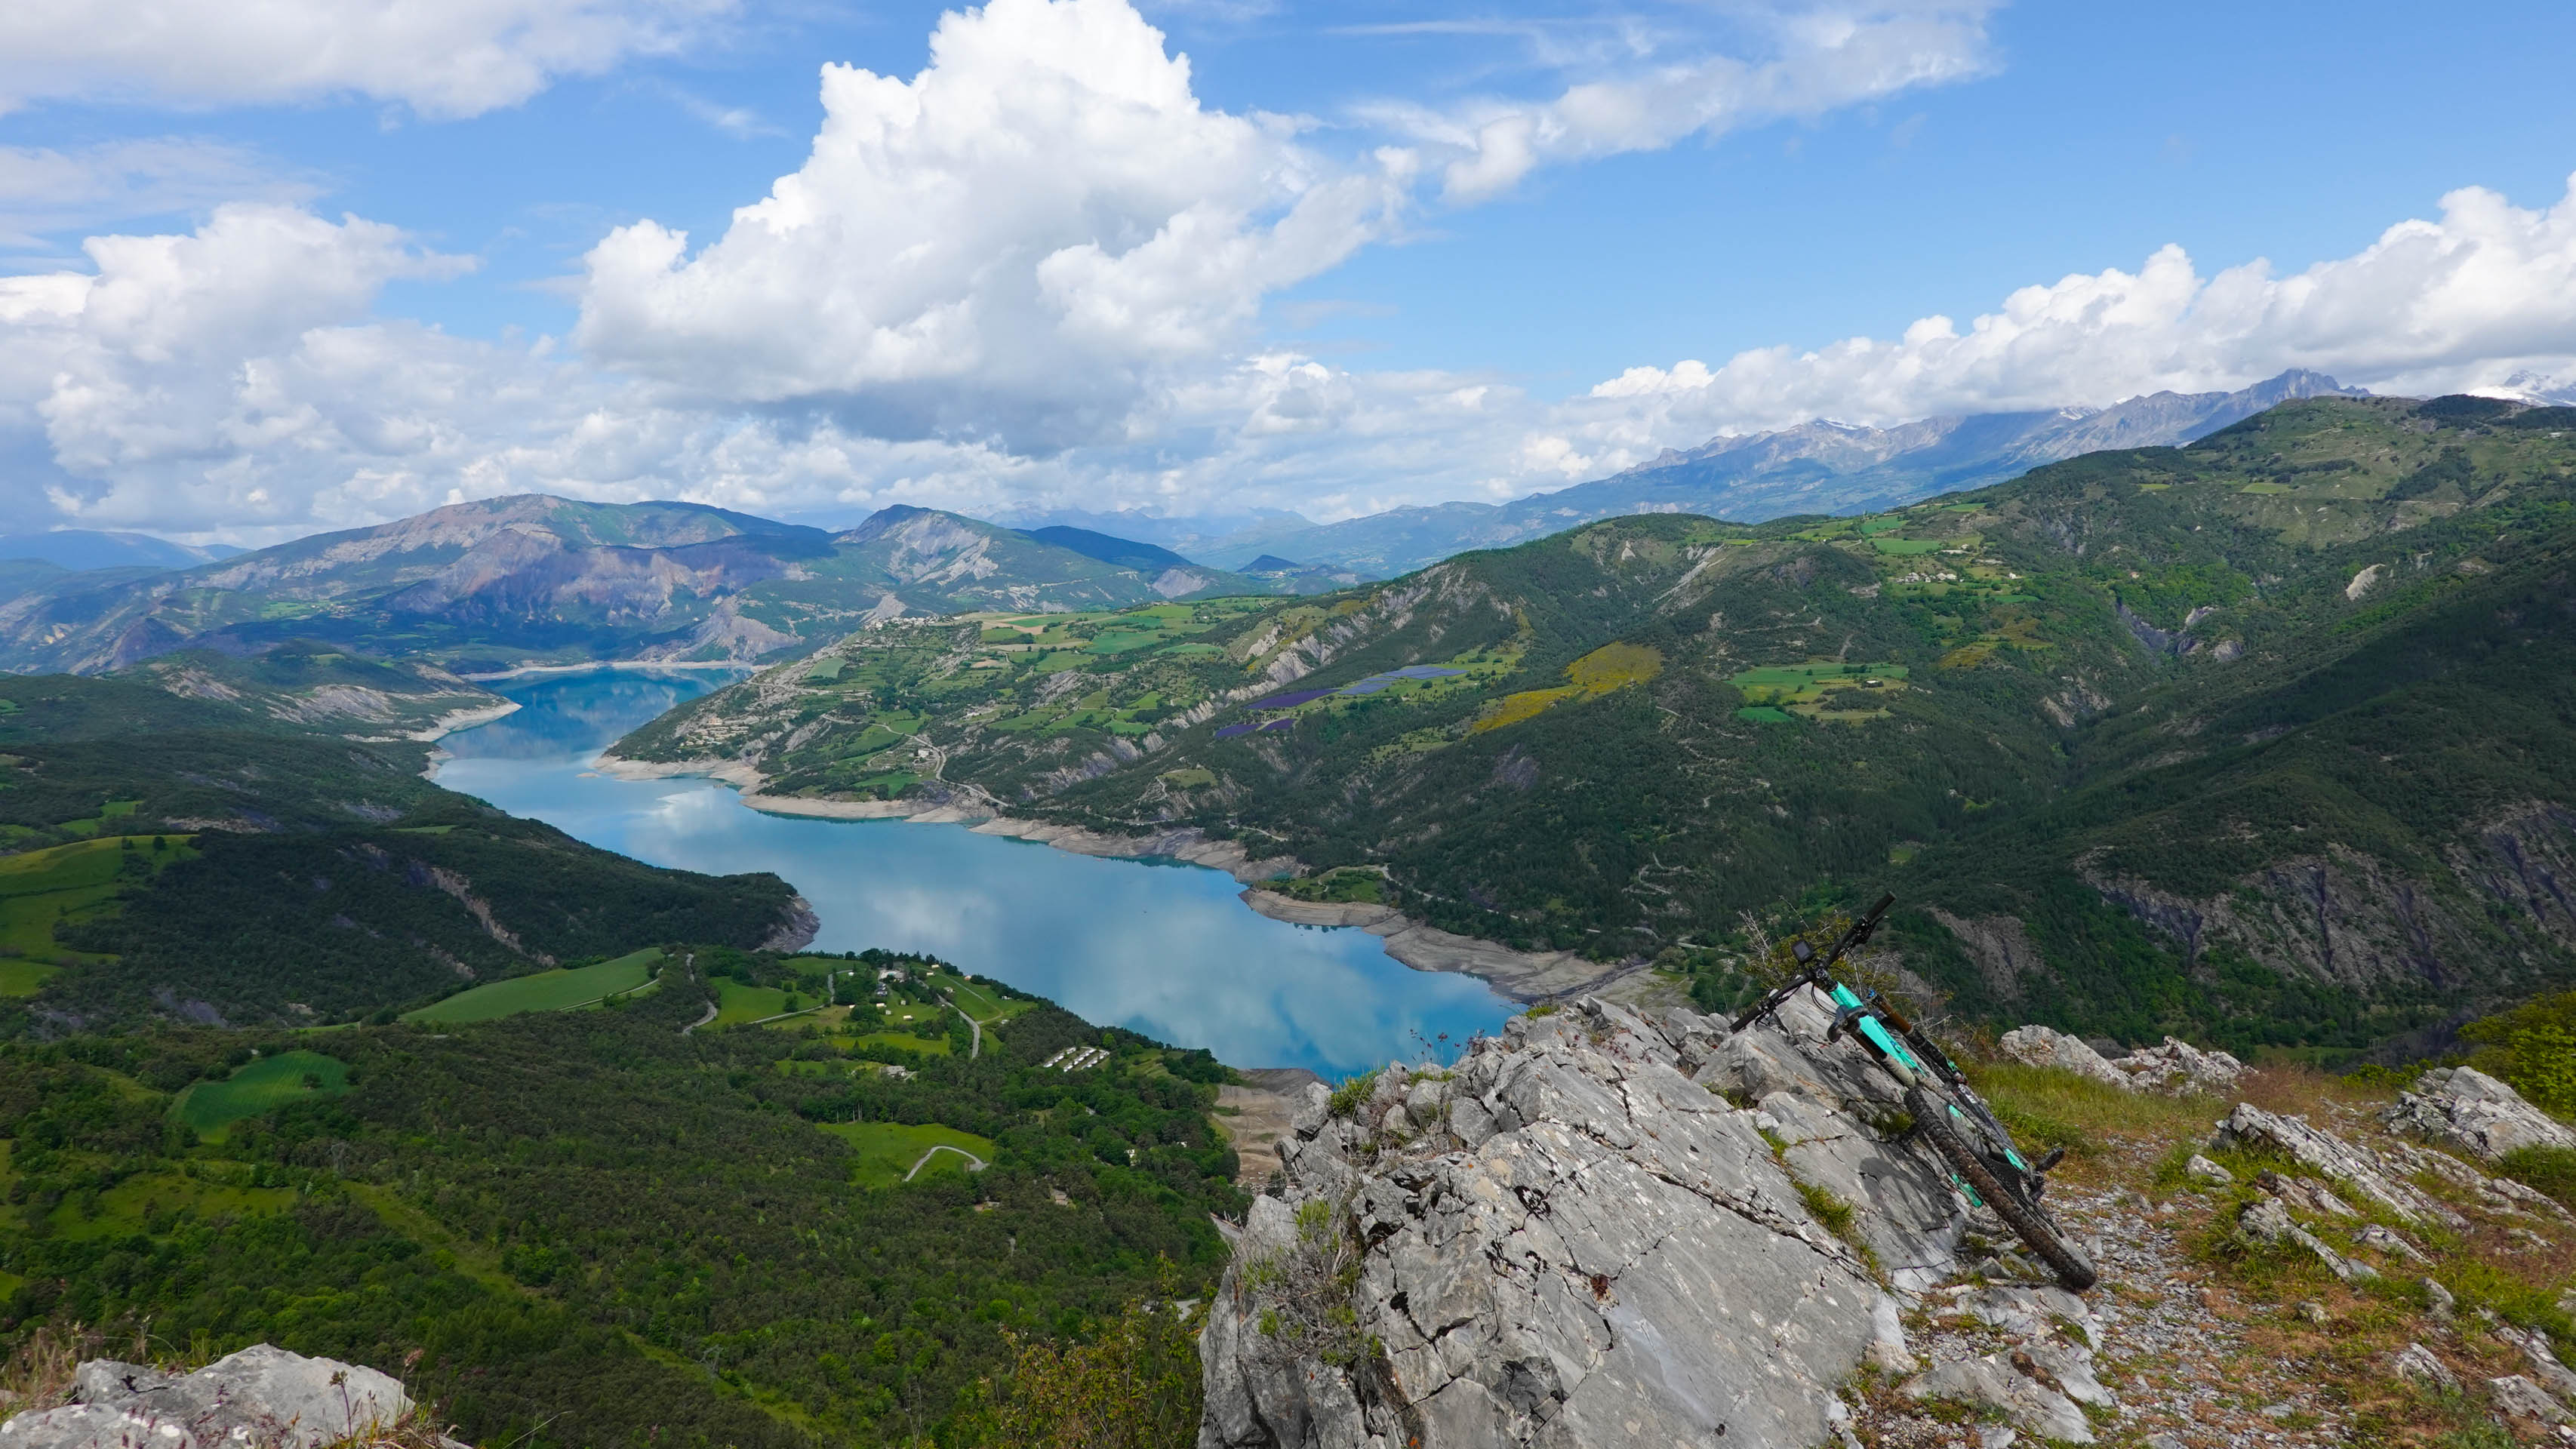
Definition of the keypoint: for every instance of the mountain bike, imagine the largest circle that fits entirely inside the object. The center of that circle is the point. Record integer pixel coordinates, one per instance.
(1979, 1153)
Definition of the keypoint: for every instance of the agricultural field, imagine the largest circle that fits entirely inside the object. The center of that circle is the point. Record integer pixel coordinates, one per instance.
(1821, 689)
(24, 978)
(257, 1088)
(544, 991)
(915, 1013)
(1344, 885)
(888, 1150)
(980, 1002)
(738, 1002)
(67, 884)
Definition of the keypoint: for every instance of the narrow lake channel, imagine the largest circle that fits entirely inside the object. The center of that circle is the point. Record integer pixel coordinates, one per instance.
(1164, 949)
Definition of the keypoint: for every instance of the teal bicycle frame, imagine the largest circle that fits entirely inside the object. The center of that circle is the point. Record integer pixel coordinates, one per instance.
(1892, 1054)
(1898, 1060)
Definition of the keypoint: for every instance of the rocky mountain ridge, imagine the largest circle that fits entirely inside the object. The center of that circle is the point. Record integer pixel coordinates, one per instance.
(504, 583)
(1815, 467)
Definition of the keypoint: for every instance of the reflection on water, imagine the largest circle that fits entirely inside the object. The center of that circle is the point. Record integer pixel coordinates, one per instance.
(1166, 950)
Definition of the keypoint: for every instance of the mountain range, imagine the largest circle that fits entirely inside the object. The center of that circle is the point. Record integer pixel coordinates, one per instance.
(507, 583)
(1816, 467)
(530, 581)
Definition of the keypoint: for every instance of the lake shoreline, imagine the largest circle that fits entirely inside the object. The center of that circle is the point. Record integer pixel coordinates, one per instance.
(1527, 977)
(641, 666)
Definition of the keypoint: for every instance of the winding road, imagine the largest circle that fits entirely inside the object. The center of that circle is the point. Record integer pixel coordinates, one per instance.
(976, 1048)
(701, 1021)
(944, 1147)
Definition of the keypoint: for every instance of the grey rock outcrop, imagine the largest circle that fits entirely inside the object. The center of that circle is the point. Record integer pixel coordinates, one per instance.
(2250, 1127)
(2415, 1362)
(1578, 1237)
(2207, 1173)
(259, 1398)
(1994, 1382)
(2546, 1370)
(2179, 1069)
(2519, 1398)
(2267, 1221)
(2175, 1069)
(2041, 1046)
(2468, 1111)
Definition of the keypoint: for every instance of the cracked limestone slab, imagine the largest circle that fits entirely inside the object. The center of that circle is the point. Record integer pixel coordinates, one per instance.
(1575, 1244)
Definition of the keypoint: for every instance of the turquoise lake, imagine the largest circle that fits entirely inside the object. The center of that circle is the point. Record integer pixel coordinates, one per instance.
(1164, 949)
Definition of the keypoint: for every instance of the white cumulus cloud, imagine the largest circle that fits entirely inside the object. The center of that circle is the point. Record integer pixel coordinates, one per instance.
(1032, 275)
(2483, 294)
(1018, 243)
(443, 58)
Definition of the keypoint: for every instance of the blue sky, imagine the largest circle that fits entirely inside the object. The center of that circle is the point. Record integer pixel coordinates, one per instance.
(1408, 337)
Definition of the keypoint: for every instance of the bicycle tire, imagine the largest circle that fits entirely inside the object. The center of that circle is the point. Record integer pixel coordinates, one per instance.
(2029, 1221)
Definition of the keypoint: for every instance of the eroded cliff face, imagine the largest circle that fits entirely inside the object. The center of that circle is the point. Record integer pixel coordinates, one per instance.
(2484, 922)
(1597, 1229)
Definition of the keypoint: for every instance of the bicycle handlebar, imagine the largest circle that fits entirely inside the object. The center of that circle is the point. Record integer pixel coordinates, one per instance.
(1818, 970)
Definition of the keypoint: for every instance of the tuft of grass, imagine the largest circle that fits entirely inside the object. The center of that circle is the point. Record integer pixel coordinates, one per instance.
(1349, 1095)
(38, 1375)
(2046, 1107)
(1840, 1220)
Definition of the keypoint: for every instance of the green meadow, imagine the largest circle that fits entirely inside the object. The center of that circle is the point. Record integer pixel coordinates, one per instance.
(42, 887)
(976, 1001)
(261, 1086)
(544, 991)
(738, 1002)
(887, 1150)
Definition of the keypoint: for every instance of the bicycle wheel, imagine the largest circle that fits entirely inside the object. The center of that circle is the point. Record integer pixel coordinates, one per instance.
(2028, 1220)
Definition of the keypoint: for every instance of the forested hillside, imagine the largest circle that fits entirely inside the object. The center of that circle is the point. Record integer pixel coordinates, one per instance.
(225, 855)
(597, 1229)
(2265, 737)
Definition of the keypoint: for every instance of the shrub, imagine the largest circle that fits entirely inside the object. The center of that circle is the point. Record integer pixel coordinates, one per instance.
(2532, 1048)
(1134, 1387)
(2550, 1169)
